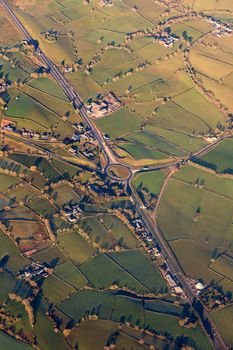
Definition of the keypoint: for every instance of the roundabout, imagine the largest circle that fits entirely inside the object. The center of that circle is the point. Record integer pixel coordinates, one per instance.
(118, 172)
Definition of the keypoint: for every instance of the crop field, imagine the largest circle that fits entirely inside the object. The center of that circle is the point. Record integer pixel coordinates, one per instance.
(90, 35)
(103, 272)
(123, 308)
(43, 207)
(155, 142)
(14, 261)
(51, 256)
(119, 123)
(45, 332)
(55, 290)
(11, 35)
(221, 157)
(76, 247)
(138, 151)
(15, 308)
(8, 281)
(58, 106)
(223, 320)
(85, 302)
(97, 232)
(136, 263)
(152, 181)
(201, 110)
(7, 343)
(92, 334)
(32, 105)
(123, 341)
(70, 274)
(224, 266)
(211, 5)
(64, 194)
(6, 181)
(195, 265)
(120, 231)
(48, 86)
(197, 197)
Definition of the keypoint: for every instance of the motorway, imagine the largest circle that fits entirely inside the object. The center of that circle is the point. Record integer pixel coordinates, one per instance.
(152, 226)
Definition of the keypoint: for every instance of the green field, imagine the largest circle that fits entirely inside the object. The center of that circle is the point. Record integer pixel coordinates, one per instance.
(120, 232)
(44, 330)
(76, 247)
(223, 265)
(8, 343)
(125, 309)
(92, 334)
(14, 261)
(223, 320)
(221, 157)
(8, 281)
(70, 274)
(55, 290)
(197, 197)
(140, 152)
(140, 267)
(155, 142)
(51, 256)
(97, 232)
(49, 86)
(103, 272)
(152, 181)
(88, 302)
(119, 123)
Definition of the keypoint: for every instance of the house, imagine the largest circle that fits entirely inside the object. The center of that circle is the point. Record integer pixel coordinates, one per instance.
(200, 285)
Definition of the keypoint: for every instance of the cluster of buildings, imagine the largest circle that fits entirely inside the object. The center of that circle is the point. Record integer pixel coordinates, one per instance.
(154, 250)
(108, 3)
(72, 212)
(29, 133)
(213, 297)
(33, 270)
(171, 280)
(221, 29)
(167, 40)
(86, 151)
(50, 35)
(4, 85)
(83, 133)
(103, 106)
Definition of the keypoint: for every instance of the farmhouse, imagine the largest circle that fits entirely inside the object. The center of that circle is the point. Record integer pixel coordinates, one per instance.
(108, 3)
(103, 106)
(167, 40)
(4, 85)
(35, 269)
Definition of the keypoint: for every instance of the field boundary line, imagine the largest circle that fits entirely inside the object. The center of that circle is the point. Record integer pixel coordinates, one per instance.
(46, 93)
(192, 114)
(126, 271)
(204, 189)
